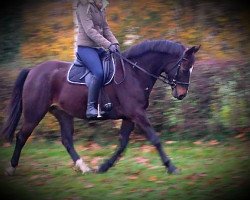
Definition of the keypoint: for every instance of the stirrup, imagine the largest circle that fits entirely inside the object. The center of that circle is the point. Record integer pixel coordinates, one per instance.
(99, 114)
(98, 111)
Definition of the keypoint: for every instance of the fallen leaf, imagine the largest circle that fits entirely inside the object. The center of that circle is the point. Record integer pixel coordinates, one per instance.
(39, 183)
(192, 177)
(211, 182)
(6, 144)
(236, 177)
(152, 178)
(81, 148)
(213, 142)
(113, 146)
(164, 192)
(57, 142)
(133, 177)
(175, 187)
(117, 192)
(94, 146)
(160, 182)
(198, 142)
(107, 180)
(76, 198)
(241, 135)
(147, 190)
(153, 166)
(195, 176)
(243, 139)
(202, 174)
(142, 160)
(147, 148)
(231, 148)
(170, 142)
(96, 161)
(191, 183)
(34, 177)
(89, 185)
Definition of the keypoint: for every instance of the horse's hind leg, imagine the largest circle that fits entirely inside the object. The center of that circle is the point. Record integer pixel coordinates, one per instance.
(126, 128)
(32, 117)
(21, 138)
(33, 113)
(67, 130)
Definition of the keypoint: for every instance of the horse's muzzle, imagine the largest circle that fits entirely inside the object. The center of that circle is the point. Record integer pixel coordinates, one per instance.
(178, 96)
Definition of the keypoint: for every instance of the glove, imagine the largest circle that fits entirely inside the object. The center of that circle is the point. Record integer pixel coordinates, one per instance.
(114, 48)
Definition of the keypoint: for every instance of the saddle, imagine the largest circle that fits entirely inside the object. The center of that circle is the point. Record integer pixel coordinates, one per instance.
(80, 74)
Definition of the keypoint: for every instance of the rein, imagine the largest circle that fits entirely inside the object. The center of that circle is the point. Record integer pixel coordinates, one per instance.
(162, 78)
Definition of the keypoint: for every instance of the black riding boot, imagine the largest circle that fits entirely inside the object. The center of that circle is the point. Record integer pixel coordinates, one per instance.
(93, 94)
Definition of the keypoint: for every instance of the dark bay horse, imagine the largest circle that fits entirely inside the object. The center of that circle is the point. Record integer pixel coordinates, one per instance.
(44, 88)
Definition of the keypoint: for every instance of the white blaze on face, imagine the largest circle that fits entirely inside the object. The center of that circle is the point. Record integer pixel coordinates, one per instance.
(191, 69)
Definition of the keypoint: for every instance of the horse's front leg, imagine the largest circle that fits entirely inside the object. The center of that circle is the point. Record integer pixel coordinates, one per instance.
(126, 128)
(142, 121)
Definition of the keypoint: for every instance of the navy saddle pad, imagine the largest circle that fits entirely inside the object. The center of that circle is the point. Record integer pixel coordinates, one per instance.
(80, 74)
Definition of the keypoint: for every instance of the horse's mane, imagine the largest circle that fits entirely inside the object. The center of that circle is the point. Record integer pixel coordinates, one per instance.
(162, 46)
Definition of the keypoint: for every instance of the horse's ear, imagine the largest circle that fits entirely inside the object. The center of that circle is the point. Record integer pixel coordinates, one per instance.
(192, 50)
(196, 48)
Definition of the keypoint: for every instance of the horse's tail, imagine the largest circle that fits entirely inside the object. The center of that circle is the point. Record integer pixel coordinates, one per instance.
(15, 107)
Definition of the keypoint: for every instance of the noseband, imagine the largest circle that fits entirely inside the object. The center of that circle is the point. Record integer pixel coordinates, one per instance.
(173, 83)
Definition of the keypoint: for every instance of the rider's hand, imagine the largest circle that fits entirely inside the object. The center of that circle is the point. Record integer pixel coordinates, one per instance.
(114, 48)
(118, 47)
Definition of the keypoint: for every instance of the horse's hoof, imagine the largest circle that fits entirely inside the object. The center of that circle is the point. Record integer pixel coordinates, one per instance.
(82, 167)
(10, 171)
(85, 171)
(173, 170)
(103, 168)
(89, 171)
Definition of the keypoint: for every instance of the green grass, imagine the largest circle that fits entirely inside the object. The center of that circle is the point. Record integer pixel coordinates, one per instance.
(207, 172)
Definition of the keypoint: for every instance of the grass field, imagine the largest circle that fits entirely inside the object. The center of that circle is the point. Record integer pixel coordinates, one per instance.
(208, 171)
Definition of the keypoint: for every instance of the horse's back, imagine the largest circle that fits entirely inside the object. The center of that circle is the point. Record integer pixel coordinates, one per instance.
(42, 78)
(49, 86)
(49, 66)
(46, 71)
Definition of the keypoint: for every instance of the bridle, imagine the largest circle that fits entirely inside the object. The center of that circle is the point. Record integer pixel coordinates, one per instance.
(165, 79)
(175, 80)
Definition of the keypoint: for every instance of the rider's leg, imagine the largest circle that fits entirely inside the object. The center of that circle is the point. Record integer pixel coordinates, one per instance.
(91, 59)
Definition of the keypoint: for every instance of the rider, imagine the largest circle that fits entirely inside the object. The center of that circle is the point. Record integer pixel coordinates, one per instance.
(94, 35)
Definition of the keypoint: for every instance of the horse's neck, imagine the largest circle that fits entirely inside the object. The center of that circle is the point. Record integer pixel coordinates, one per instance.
(155, 63)
(150, 62)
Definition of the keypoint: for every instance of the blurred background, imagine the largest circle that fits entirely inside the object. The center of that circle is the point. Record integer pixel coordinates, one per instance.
(217, 105)
(206, 134)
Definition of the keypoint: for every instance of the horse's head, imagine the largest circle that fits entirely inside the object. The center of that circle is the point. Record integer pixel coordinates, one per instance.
(179, 74)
